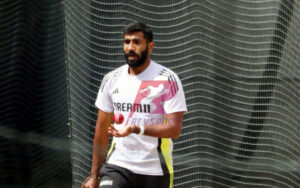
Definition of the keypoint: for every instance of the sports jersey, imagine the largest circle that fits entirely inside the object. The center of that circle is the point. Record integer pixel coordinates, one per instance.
(143, 99)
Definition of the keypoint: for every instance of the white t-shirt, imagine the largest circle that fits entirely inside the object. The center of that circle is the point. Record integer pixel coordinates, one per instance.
(143, 99)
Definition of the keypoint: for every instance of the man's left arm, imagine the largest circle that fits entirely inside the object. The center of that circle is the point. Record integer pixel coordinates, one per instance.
(170, 128)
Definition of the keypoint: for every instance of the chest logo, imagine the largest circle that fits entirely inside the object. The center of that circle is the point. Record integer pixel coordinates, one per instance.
(115, 91)
(154, 94)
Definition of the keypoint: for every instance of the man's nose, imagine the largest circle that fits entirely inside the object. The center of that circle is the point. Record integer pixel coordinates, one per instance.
(131, 46)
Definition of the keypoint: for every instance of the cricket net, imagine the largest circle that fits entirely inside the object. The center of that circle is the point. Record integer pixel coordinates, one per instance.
(239, 64)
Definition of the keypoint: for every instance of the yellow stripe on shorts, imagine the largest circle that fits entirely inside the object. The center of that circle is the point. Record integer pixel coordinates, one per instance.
(110, 149)
(165, 149)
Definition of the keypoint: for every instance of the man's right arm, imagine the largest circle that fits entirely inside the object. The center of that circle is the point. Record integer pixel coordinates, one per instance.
(101, 138)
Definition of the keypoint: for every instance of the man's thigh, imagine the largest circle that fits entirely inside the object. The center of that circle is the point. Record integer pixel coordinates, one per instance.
(113, 177)
(144, 181)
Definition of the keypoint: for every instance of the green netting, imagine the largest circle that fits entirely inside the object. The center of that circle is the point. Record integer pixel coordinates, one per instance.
(239, 64)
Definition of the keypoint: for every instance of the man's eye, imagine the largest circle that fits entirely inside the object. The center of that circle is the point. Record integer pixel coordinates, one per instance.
(137, 42)
(126, 41)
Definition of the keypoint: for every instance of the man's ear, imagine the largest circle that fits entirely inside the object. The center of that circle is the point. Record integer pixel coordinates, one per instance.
(150, 46)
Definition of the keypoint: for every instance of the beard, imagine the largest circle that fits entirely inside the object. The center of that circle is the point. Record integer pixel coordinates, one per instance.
(137, 62)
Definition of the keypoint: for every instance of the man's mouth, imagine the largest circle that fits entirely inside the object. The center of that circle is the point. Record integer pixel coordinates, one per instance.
(132, 57)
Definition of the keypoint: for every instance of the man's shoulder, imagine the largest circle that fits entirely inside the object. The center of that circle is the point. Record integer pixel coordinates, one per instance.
(115, 72)
(165, 72)
(111, 76)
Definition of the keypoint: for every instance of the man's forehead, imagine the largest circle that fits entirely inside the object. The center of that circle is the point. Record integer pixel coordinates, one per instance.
(135, 35)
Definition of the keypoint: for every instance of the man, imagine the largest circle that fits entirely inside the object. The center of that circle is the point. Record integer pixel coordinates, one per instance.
(151, 98)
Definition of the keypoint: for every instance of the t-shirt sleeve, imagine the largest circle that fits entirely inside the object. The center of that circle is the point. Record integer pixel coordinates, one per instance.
(177, 102)
(103, 100)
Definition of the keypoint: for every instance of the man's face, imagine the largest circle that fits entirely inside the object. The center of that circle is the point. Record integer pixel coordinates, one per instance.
(135, 48)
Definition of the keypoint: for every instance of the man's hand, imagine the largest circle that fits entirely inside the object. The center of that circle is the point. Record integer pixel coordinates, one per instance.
(171, 128)
(125, 131)
(90, 183)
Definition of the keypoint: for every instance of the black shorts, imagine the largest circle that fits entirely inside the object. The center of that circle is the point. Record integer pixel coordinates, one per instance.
(113, 176)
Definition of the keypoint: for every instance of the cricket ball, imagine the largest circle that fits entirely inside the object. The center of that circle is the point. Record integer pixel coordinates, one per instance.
(118, 118)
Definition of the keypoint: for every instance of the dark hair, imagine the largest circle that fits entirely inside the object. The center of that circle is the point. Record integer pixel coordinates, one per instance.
(136, 27)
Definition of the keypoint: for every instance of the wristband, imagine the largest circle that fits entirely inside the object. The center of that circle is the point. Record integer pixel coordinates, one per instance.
(142, 130)
(95, 177)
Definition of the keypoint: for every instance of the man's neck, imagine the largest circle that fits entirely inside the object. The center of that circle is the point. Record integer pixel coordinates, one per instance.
(133, 71)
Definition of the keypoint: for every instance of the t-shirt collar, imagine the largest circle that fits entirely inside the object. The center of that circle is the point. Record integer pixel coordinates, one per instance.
(142, 74)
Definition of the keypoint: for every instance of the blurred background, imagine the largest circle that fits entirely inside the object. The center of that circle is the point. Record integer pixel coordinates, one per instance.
(238, 61)
(34, 135)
